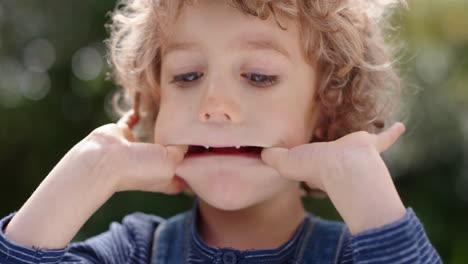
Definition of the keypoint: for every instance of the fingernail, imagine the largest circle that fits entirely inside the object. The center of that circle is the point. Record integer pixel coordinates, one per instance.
(404, 127)
(266, 152)
(277, 149)
(171, 148)
(185, 148)
(175, 148)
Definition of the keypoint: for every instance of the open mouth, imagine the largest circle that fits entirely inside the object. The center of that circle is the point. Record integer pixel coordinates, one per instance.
(247, 151)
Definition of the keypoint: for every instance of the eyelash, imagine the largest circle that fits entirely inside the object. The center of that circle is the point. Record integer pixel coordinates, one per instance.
(267, 79)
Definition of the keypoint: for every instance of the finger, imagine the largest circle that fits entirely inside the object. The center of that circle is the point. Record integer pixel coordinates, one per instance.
(128, 134)
(275, 157)
(157, 157)
(387, 138)
(175, 155)
(125, 123)
(129, 119)
(177, 185)
(177, 152)
(298, 163)
(152, 167)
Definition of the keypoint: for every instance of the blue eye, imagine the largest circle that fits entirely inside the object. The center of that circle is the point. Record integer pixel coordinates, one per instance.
(260, 80)
(187, 77)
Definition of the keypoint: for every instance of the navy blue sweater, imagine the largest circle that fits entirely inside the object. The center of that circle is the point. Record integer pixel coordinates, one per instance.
(403, 241)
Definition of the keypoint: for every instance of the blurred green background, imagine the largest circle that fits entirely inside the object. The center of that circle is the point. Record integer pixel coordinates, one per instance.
(53, 92)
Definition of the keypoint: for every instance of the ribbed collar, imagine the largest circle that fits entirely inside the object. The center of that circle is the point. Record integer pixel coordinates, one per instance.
(200, 252)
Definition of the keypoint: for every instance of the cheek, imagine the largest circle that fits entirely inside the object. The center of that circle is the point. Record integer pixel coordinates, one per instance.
(289, 125)
(169, 119)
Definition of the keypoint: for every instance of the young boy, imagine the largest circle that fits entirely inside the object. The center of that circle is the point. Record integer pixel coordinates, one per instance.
(252, 103)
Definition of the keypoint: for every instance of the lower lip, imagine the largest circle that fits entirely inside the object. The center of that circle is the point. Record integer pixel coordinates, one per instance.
(209, 154)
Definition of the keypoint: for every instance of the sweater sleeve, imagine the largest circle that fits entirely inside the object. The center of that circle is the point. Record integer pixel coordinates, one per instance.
(126, 242)
(402, 241)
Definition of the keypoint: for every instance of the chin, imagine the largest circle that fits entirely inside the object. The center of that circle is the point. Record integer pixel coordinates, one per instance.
(230, 200)
(228, 186)
(234, 201)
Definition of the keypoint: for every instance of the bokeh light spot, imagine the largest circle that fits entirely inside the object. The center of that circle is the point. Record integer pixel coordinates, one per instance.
(10, 72)
(432, 65)
(39, 55)
(87, 63)
(34, 85)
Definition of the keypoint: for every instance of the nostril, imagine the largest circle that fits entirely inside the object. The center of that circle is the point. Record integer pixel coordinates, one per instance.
(215, 116)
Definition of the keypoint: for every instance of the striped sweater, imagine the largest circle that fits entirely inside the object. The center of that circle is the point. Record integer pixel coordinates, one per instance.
(403, 241)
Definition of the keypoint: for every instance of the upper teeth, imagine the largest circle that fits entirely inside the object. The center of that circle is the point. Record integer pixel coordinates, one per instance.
(207, 147)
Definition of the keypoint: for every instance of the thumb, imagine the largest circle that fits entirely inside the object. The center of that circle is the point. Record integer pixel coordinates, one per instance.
(275, 157)
(151, 167)
(176, 186)
(176, 153)
(300, 163)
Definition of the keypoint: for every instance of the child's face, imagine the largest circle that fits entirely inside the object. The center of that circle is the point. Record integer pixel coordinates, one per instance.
(221, 104)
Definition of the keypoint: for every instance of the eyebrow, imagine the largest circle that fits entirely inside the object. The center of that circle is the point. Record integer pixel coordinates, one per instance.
(250, 44)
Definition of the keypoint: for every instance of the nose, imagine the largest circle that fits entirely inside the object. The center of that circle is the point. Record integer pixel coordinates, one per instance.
(218, 106)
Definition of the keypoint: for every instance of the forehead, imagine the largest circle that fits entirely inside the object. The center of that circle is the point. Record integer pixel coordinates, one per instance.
(215, 24)
(245, 42)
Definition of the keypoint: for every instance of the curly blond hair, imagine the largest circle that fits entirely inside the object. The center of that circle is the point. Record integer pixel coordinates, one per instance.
(357, 88)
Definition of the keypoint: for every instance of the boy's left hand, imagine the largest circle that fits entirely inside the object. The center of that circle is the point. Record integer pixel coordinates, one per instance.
(352, 173)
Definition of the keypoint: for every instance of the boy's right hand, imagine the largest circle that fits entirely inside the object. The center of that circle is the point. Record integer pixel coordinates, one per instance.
(134, 165)
(108, 160)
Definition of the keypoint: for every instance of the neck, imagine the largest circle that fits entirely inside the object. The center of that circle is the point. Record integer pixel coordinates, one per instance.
(267, 225)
